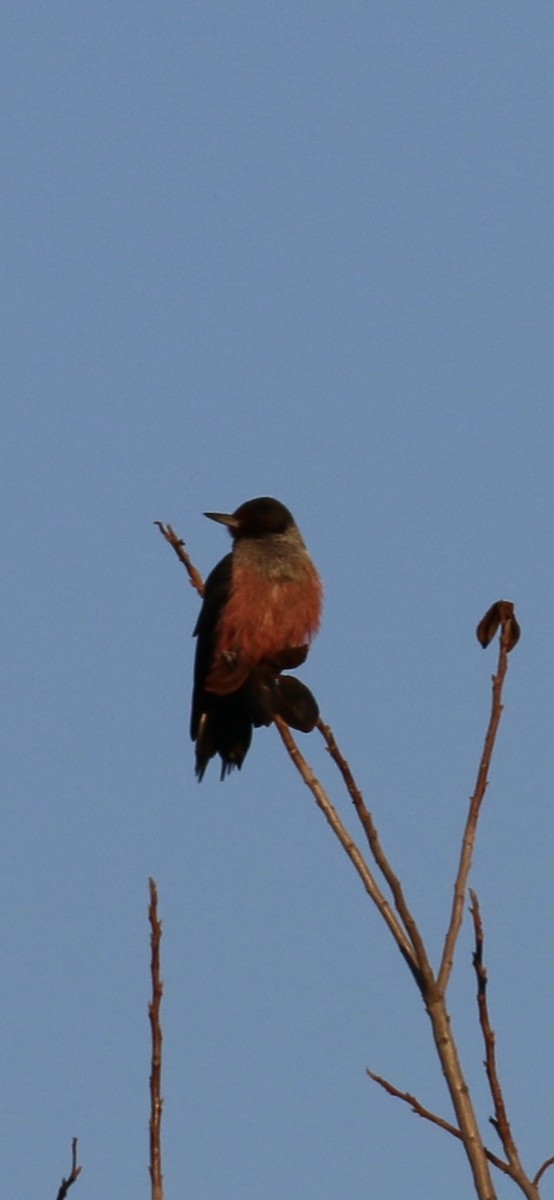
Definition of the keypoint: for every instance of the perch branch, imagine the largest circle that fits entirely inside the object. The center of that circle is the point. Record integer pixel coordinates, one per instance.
(433, 999)
(352, 850)
(178, 545)
(379, 855)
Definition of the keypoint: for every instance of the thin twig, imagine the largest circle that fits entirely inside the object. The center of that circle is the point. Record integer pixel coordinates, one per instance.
(548, 1163)
(348, 844)
(468, 842)
(183, 556)
(73, 1175)
(156, 1100)
(379, 855)
(426, 1113)
(500, 1120)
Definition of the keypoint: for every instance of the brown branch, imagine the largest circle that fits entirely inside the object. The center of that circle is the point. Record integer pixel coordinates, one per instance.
(379, 855)
(548, 1163)
(468, 841)
(434, 1000)
(156, 1100)
(433, 997)
(73, 1175)
(500, 1120)
(426, 1113)
(179, 547)
(348, 844)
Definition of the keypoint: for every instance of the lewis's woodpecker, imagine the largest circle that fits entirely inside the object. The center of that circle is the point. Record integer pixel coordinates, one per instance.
(261, 609)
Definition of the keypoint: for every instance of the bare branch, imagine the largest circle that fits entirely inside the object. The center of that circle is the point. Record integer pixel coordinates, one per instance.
(156, 1100)
(426, 1113)
(548, 1163)
(468, 842)
(379, 855)
(73, 1175)
(352, 850)
(179, 547)
(433, 999)
(500, 1120)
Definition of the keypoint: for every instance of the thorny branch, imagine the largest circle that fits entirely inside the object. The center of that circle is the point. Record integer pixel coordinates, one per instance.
(156, 1100)
(73, 1175)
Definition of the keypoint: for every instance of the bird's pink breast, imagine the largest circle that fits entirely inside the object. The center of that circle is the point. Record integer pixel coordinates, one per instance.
(266, 615)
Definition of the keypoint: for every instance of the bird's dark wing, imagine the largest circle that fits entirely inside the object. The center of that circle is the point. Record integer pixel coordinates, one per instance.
(216, 592)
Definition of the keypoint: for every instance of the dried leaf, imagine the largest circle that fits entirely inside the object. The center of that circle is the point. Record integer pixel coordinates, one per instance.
(489, 624)
(500, 613)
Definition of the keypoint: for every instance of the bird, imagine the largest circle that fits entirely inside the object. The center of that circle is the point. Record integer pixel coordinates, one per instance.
(261, 609)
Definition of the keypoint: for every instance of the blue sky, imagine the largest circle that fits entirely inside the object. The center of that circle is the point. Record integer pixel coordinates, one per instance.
(302, 250)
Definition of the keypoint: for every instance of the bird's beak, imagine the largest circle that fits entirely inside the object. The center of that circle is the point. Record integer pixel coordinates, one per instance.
(227, 519)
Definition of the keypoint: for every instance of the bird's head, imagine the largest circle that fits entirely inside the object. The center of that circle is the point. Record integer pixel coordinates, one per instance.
(255, 518)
